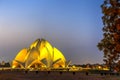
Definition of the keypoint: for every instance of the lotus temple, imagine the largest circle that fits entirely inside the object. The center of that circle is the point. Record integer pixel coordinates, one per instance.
(40, 54)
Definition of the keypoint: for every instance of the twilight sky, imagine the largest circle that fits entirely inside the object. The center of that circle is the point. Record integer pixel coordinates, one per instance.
(73, 26)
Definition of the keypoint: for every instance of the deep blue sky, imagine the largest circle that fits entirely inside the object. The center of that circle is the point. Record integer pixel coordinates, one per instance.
(73, 26)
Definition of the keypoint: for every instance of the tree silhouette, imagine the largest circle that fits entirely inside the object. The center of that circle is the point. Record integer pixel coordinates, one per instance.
(110, 44)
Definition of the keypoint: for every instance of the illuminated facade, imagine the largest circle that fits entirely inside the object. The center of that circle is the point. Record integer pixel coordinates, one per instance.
(40, 54)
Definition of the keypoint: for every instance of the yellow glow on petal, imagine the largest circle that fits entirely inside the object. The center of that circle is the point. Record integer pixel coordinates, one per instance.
(40, 53)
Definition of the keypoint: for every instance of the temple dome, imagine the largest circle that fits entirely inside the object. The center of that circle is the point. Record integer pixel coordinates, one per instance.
(39, 54)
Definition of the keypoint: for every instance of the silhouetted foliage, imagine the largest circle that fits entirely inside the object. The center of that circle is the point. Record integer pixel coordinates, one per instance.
(5, 65)
(110, 44)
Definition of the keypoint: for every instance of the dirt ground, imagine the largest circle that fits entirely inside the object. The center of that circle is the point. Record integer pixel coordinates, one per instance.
(53, 75)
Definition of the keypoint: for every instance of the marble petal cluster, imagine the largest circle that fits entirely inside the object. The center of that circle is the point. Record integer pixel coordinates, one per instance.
(39, 54)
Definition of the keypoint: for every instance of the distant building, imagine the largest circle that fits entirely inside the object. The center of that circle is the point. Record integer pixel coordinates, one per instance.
(3, 63)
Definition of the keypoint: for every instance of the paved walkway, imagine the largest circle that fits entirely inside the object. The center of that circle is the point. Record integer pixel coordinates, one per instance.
(59, 75)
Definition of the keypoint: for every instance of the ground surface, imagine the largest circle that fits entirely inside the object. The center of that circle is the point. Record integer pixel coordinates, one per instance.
(54, 75)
